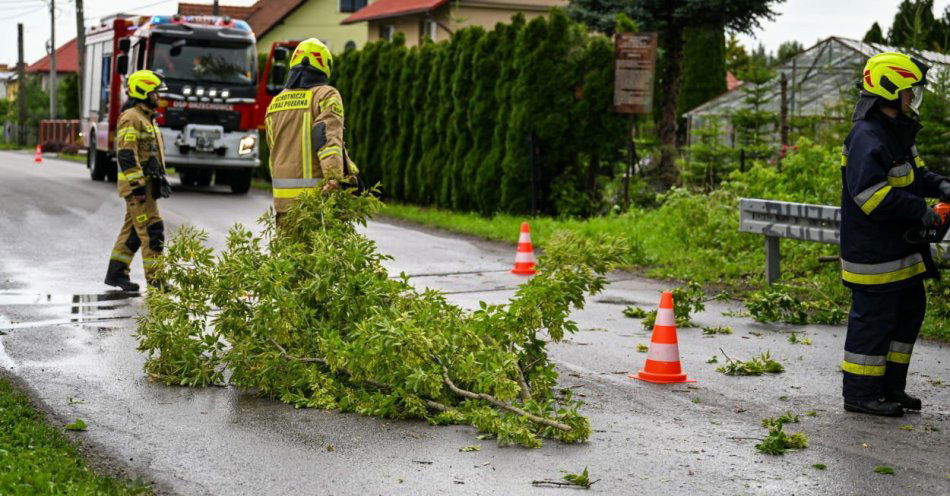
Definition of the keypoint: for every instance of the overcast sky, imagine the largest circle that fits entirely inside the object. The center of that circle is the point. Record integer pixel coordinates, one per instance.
(804, 20)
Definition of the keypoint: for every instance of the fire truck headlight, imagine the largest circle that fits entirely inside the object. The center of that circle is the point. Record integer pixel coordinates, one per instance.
(200, 92)
(225, 93)
(213, 92)
(247, 144)
(186, 90)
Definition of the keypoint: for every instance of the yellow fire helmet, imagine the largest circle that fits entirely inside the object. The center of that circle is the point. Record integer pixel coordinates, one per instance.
(140, 83)
(313, 53)
(886, 74)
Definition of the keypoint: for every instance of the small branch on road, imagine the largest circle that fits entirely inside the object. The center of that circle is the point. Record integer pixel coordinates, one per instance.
(573, 485)
(500, 404)
(525, 392)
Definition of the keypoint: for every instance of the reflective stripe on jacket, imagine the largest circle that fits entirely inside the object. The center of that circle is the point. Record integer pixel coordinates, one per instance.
(884, 185)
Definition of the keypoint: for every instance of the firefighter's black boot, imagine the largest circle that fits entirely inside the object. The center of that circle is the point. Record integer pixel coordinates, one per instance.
(875, 407)
(118, 276)
(903, 399)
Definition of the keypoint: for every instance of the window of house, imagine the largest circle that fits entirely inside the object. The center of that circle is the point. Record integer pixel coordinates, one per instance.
(386, 32)
(430, 29)
(351, 5)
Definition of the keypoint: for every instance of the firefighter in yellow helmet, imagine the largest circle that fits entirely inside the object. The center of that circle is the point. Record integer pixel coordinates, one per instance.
(884, 186)
(305, 129)
(140, 154)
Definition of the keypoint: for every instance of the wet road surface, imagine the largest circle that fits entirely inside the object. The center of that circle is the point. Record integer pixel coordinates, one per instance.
(69, 338)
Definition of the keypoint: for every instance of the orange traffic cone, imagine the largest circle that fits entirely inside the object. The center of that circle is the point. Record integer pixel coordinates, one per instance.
(38, 158)
(524, 258)
(663, 359)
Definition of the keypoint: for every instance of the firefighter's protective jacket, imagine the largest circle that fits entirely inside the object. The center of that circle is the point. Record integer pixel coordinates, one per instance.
(305, 137)
(139, 146)
(884, 183)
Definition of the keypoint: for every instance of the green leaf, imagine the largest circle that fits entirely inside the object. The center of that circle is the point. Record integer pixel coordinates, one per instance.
(473, 447)
(78, 425)
(882, 469)
(820, 466)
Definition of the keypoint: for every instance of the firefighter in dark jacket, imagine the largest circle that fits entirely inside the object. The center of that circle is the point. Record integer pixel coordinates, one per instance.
(140, 153)
(884, 186)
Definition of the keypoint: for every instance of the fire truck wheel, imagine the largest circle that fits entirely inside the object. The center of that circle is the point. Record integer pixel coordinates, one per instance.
(93, 161)
(241, 181)
(203, 178)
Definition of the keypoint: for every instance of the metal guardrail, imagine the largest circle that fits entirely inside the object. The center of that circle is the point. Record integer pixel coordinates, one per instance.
(801, 221)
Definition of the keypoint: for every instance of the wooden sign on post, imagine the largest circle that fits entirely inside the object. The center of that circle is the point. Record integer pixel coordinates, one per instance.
(634, 68)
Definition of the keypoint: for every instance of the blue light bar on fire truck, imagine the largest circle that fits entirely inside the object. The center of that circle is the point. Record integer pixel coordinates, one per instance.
(201, 20)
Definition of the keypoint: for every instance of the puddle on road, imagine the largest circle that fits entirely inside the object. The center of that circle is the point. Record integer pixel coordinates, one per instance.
(83, 308)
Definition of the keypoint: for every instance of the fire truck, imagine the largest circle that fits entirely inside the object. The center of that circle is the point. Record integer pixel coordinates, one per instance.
(208, 116)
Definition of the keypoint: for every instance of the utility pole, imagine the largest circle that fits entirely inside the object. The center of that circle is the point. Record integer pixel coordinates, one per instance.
(21, 89)
(52, 59)
(214, 8)
(81, 49)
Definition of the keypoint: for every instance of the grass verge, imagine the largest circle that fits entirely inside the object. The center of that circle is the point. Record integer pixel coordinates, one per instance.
(690, 238)
(36, 458)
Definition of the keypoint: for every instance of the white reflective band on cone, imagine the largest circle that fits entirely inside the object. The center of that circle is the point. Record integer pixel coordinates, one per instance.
(524, 256)
(664, 352)
(524, 238)
(664, 317)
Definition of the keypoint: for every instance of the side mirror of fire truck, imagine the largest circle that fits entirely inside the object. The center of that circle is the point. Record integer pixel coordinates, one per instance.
(124, 45)
(122, 64)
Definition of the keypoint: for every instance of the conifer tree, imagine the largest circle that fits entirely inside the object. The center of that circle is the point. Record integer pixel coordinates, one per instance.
(441, 151)
(362, 119)
(492, 171)
(477, 171)
(516, 167)
(417, 120)
(393, 107)
(431, 134)
(460, 134)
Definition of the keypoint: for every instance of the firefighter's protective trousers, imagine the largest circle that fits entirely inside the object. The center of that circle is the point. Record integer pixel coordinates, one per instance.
(142, 229)
(305, 136)
(139, 149)
(882, 330)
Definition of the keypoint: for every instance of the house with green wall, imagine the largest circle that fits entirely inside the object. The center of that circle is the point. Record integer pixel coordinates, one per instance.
(280, 20)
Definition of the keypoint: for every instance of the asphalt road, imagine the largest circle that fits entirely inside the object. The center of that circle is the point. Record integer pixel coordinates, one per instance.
(70, 340)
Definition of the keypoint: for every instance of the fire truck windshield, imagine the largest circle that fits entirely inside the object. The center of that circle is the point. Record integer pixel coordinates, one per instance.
(204, 61)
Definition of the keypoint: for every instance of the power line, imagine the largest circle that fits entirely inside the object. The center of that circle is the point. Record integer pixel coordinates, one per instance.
(21, 14)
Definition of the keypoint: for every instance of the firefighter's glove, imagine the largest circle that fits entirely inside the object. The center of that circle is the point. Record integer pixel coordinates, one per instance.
(931, 218)
(152, 168)
(945, 191)
(160, 187)
(330, 185)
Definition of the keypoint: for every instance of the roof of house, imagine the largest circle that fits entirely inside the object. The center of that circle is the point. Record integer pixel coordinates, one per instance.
(817, 78)
(263, 16)
(67, 59)
(382, 9)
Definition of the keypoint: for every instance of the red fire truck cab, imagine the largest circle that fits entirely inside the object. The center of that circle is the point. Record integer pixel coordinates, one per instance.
(209, 115)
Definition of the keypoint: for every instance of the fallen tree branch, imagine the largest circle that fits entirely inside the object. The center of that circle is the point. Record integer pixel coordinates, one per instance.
(435, 405)
(500, 404)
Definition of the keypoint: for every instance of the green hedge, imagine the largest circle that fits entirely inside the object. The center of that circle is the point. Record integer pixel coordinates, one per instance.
(449, 124)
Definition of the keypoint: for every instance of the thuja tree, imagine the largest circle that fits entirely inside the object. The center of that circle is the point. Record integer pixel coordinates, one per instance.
(394, 109)
(311, 317)
(460, 122)
(428, 129)
(421, 70)
(489, 194)
(477, 171)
